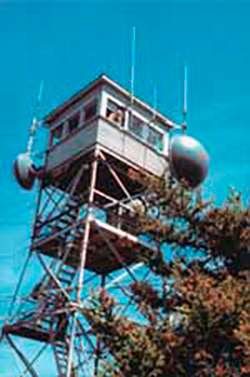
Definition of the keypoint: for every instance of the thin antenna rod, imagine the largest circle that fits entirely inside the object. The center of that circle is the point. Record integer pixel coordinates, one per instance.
(155, 101)
(132, 77)
(34, 121)
(185, 100)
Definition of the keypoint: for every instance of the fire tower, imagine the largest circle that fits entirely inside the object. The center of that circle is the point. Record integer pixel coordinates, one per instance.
(83, 233)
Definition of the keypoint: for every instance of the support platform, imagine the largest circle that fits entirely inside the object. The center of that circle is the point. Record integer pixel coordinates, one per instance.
(27, 331)
(101, 258)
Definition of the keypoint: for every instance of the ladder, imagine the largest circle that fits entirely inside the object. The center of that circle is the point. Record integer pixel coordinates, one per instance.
(61, 352)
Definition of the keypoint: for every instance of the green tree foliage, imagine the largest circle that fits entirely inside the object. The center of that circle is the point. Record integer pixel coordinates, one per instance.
(199, 325)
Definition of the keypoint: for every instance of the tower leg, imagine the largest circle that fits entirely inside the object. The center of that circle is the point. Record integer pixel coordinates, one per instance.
(28, 365)
(98, 344)
(85, 242)
(87, 230)
(71, 346)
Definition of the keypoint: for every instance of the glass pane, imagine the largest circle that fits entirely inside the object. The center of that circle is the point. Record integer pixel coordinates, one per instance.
(136, 126)
(73, 122)
(90, 110)
(112, 107)
(155, 139)
(57, 133)
(115, 113)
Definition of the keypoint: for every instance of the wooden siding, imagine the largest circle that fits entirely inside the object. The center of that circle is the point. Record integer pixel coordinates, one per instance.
(105, 134)
(73, 145)
(130, 148)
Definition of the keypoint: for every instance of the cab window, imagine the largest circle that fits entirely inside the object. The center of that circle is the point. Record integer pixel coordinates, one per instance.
(73, 122)
(155, 139)
(136, 125)
(57, 133)
(90, 110)
(115, 113)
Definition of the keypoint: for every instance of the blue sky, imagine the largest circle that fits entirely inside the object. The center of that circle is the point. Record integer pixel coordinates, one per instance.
(68, 44)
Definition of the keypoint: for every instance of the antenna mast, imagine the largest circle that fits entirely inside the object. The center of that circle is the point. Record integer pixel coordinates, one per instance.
(34, 121)
(155, 101)
(185, 100)
(132, 73)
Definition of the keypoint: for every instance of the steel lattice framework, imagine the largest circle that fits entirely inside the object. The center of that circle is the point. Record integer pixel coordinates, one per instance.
(84, 236)
(84, 233)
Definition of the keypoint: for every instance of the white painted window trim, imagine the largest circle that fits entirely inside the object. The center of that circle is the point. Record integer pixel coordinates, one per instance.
(151, 125)
(128, 111)
(69, 114)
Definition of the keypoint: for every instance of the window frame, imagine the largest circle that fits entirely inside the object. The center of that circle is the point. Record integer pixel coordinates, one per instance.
(72, 117)
(132, 116)
(152, 126)
(55, 140)
(128, 112)
(95, 100)
(120, 106)
(148, 125)
(63, 121)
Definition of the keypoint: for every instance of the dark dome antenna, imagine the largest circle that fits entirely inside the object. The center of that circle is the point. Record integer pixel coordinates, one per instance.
(189, 160)
(184, 126)
(24, 168)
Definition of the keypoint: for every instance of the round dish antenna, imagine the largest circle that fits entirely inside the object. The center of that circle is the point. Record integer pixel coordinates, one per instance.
(24, 168)
(24, 171)
(189, 161)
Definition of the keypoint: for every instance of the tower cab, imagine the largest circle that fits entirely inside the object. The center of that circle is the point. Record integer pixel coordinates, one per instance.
(104, 116)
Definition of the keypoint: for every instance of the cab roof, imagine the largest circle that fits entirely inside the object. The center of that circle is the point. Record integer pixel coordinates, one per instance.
(99, 82)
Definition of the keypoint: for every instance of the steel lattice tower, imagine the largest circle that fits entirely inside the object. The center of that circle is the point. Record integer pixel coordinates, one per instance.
(84, 233)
